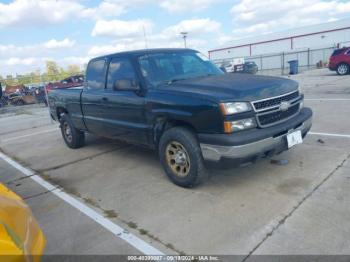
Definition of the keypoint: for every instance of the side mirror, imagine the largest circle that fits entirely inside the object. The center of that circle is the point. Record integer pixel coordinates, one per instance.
(126, 85)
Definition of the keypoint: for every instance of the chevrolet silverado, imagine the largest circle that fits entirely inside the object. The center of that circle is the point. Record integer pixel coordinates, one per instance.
(179, 103)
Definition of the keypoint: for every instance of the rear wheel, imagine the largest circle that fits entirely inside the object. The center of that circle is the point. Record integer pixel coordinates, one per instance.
(343, 69)
(73, 137)
(181, 157)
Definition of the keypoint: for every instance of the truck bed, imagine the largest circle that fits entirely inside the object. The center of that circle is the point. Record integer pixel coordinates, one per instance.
(68, 99)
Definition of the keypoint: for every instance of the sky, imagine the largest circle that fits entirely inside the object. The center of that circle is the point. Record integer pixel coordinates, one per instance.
(74, 31)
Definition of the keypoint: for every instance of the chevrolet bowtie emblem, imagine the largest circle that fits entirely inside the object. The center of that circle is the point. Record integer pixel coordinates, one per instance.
(284, 106)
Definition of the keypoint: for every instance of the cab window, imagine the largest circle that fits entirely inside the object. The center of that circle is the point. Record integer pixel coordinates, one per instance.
(95, 74)
(120, 69)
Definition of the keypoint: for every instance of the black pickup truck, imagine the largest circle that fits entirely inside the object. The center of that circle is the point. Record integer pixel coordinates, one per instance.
(180, 104)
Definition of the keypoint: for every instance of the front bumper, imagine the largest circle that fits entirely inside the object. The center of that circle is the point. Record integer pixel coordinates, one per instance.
(247, 146)
(332, 66)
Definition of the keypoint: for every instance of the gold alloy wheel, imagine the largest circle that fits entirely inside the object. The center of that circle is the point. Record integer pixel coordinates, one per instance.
(178, 159)
(67, 132)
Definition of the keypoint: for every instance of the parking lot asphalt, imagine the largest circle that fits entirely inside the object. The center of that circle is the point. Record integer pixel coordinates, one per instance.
(266, 208)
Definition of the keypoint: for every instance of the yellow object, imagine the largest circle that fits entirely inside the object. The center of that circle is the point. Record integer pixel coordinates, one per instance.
(228, 127)
(21, 238)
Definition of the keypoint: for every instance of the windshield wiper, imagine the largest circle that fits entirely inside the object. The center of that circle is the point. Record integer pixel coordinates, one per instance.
(170, 81)
(206, 75)
(176, 80)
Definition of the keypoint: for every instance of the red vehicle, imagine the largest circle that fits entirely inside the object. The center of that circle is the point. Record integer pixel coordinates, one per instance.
(340, 61)
(72, 81)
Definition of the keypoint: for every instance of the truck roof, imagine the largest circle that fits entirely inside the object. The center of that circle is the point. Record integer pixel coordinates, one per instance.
(148, 51)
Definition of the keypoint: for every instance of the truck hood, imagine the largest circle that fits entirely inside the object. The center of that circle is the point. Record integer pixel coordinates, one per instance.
(234, 87)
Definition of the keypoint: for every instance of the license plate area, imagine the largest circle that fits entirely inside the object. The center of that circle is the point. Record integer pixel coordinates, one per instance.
(294, 138)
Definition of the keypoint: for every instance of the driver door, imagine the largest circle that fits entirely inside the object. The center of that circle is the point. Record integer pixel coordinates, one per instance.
(125, 116)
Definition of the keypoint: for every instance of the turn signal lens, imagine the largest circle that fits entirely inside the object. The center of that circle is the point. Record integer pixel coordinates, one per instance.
(228, 127)
(239, 125)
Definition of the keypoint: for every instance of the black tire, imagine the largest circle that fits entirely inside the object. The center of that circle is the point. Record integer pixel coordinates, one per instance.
(19, 102)
(184, 140)
(73, 137)
(343, 69)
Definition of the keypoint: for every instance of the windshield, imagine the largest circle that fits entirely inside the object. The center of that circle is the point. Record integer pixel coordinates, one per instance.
(166, 68)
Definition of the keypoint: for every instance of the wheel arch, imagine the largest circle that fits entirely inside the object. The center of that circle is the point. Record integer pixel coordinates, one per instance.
(343, 62)
(61, 110)
(164, 123)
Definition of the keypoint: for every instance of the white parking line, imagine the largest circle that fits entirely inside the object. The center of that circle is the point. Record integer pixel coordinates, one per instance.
(328, 134)
(120, 232)
(31, 134)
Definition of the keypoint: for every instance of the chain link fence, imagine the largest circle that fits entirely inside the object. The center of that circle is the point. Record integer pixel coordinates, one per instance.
(277, 63)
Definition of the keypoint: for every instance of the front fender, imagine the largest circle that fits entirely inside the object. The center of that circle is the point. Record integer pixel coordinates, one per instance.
(165, 118)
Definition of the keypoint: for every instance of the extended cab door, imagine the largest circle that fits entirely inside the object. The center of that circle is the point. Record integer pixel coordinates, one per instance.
(124, 109)
(92, 96)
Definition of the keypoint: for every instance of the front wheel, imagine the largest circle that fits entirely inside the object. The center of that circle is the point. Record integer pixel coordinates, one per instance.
(73, 137)
(343, 69)
(181, 157)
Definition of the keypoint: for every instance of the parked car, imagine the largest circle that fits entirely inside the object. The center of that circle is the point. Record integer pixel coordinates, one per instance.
(183, 106)
(246, 67)
(21, 238)
(14, 89)
(72, 81)
(235, 65)
(250, 68)
(340, 61)
(20, 99)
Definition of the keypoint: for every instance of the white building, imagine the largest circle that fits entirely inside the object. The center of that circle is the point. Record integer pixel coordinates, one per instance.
(327, 35)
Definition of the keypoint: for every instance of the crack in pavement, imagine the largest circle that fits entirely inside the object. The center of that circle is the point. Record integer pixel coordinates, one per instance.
(40, 194)
(307, 196)
(18, 179)
(81, 159)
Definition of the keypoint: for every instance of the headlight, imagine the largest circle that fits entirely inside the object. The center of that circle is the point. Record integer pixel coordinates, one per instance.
(235, 107)
(243, 124)
(300, 90)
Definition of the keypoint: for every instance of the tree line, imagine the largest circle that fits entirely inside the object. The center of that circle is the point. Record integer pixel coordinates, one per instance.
(52, 73)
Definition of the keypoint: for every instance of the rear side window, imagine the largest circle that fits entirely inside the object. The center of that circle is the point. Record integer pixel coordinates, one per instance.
(337, 52)
(95, 74)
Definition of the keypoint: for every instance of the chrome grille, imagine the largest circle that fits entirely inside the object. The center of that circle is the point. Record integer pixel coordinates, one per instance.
(269, 110)
(271, 102)
(277, 116)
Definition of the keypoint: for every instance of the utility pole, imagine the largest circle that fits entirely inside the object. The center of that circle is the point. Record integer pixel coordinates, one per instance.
(184, 36)
(145, 36)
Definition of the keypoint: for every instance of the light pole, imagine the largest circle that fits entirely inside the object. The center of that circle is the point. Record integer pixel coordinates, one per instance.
(184, 36)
